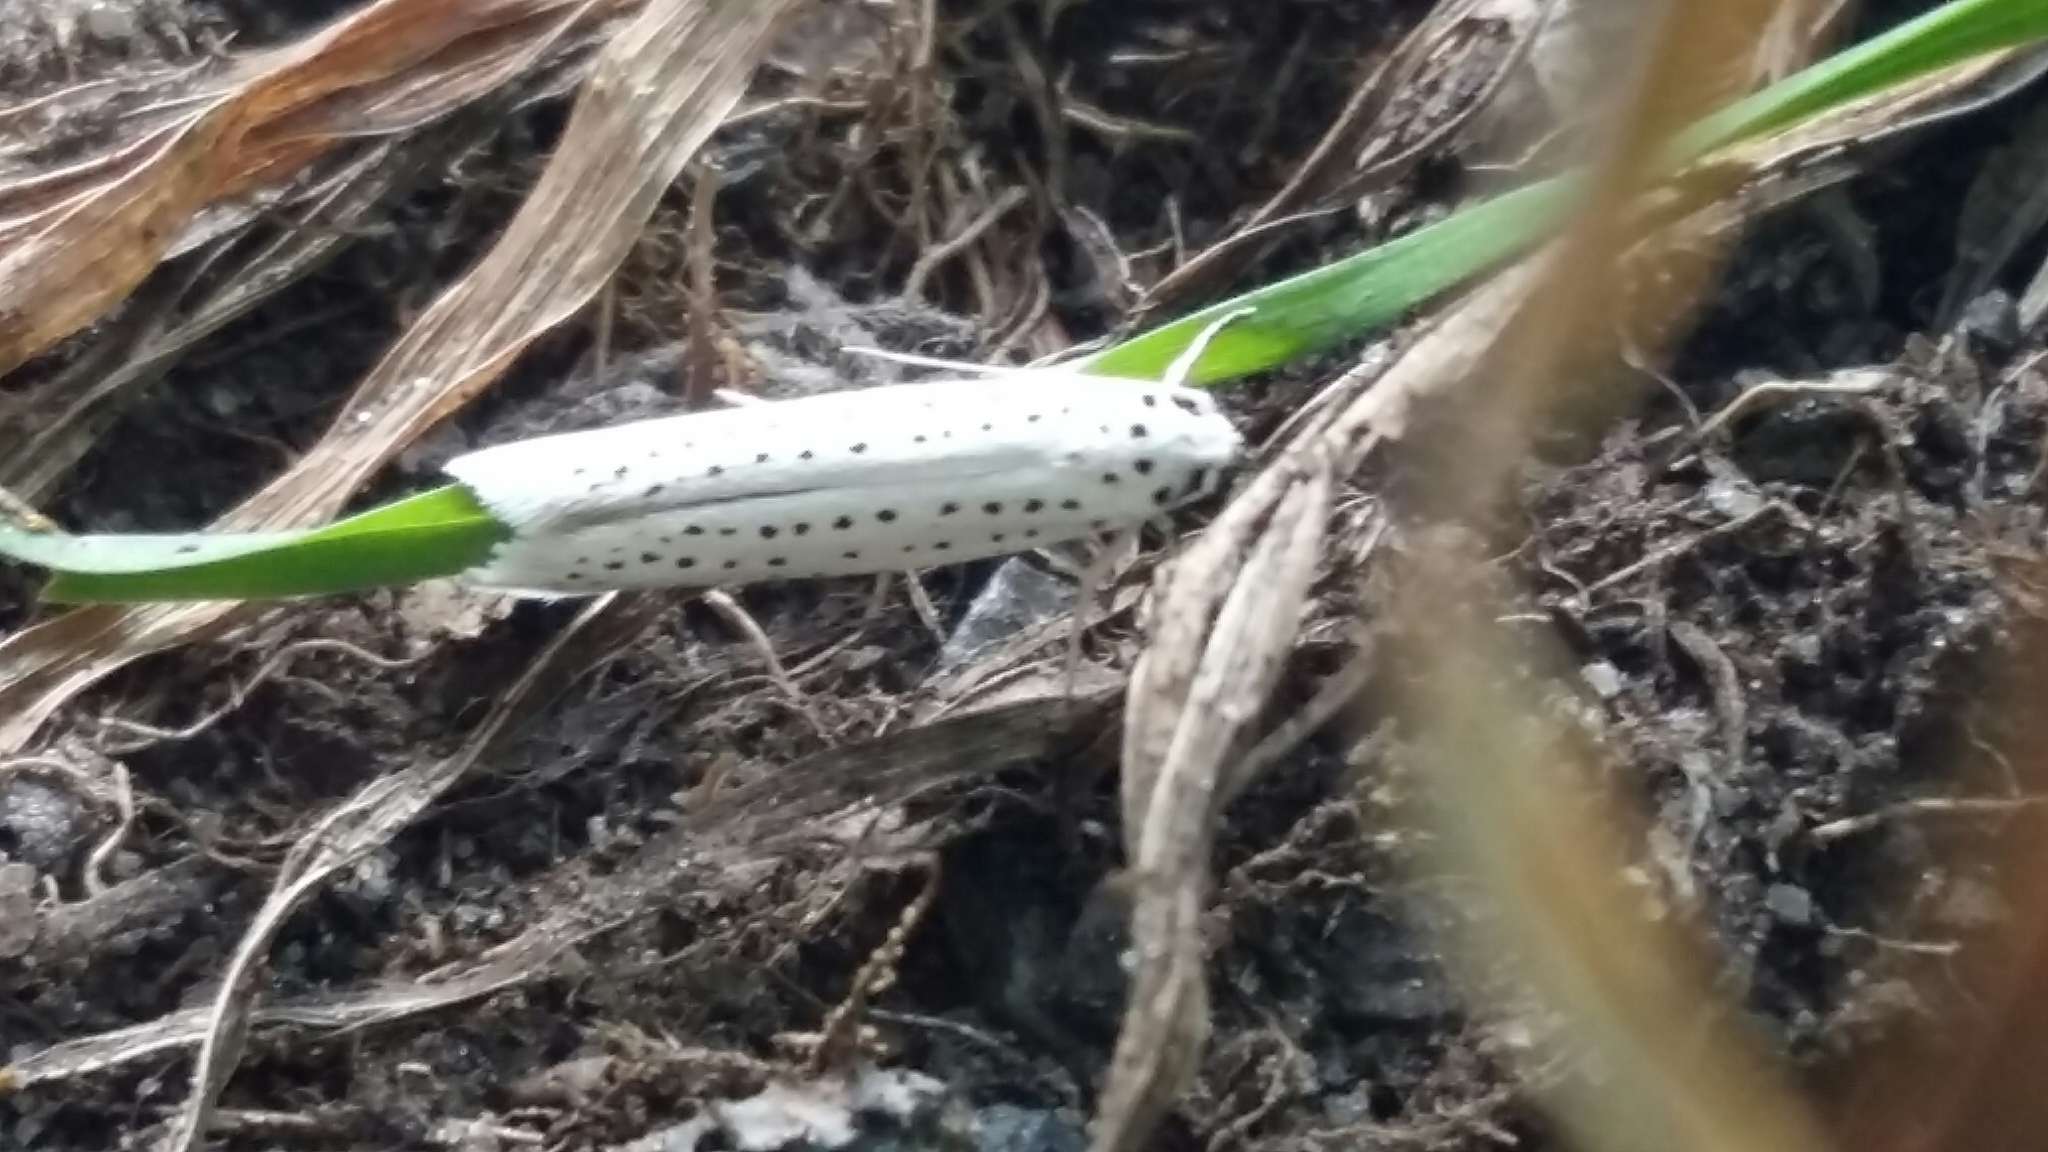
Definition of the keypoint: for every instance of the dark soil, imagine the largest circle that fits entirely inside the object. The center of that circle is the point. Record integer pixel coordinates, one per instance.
(688, 862)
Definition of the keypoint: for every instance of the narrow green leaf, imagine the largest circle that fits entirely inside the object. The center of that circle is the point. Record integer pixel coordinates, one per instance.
(436, 533)
(1946, 35)
(1351, 297)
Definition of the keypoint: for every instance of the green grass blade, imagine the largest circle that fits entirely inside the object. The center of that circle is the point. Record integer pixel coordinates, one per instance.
(1947, 35)
(436, 533)
(1323, 306)
(1356, 295)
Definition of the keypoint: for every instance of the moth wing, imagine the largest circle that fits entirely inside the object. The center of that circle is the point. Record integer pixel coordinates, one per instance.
(602, 476)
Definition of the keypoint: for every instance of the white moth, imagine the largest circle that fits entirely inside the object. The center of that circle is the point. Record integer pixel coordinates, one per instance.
(870, 480)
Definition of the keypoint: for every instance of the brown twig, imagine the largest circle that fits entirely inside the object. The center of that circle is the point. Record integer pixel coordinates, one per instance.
(701, 324)
(838, 1040)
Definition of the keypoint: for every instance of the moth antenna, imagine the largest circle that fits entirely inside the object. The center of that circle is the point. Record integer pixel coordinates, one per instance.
(914, 360)
(1071, 353)
(1183, 365)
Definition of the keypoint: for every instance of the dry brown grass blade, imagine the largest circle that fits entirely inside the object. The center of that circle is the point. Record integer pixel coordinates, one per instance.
(75, 242)
(1537, 844)
(72, 269)
(1517, 803)
(315, 99)
(74, 934)
(1513, 788)
(364, 823)
(56, 421)
(808, 799)
(529, 956)
(1228, 613)
(660, 89)
(1186, 733)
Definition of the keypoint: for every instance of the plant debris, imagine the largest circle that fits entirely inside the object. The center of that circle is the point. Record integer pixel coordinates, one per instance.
(877, 862)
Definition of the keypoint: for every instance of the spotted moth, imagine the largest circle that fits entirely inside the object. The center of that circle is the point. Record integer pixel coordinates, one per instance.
(862, 481)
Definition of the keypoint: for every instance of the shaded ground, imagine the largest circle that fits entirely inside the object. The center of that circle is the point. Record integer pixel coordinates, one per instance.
(665, 881)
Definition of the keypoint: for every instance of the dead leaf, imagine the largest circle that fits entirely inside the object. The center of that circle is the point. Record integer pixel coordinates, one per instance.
(659, 91)
(77, 238)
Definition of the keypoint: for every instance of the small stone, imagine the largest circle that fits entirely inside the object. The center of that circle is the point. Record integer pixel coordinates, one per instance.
(1790, 903)
(111, 24)
(1992, 321)
(1017, 597)
(221, 400)
(17, 909)
(1010, 1128)
(1733, 499)
(1603, 678)
(40, 822)
(370, 881)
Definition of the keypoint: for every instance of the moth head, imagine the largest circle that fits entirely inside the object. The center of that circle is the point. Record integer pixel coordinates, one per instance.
(1205, 434)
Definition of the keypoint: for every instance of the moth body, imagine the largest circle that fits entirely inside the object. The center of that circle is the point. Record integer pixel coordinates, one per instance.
(862, 481)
